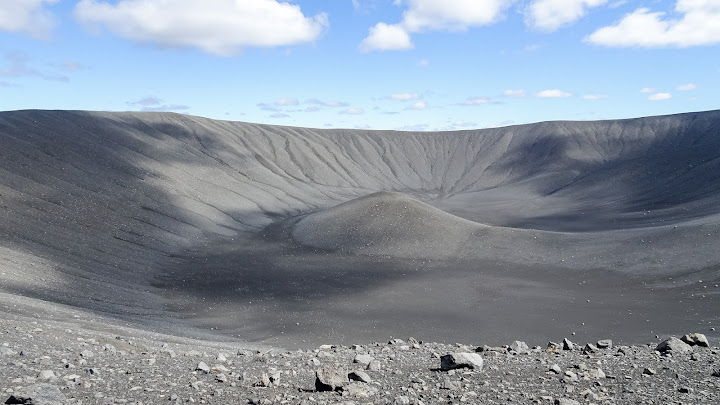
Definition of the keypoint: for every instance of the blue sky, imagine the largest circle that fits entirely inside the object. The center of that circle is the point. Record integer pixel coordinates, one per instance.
(402, 64)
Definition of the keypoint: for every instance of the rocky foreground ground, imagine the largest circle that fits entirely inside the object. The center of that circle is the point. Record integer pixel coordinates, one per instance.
(50, 364)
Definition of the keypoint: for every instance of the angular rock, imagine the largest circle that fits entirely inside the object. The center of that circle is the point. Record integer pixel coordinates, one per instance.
(42, 394)
(330, 379)
(552, 347)
(696, 339)
(202, 367)
(674, 346)
(363, 359)
(566, 401)
(568, 345)
(461, 360)
(716, 373)
(556, 369)
(519, 347)
(590, 348)
(649, 371)
(359, 390)
(46, 375)
(361, 376)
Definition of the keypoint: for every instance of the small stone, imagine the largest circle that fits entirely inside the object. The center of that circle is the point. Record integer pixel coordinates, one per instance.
(221, 378)
(363, 359)
(519, 347)
(605, 344)
(359, 376)
(649, 371)
(330, 379)
(203, 367)
(219, 369)
(359, 390)
(461, 360)
(566, 401)
(374, 366)
(46, 375)
(552, 347)
(673, 345)
(6, 351)
(556, 369)
(716, 373)
(87, 354)
(685, 390)
(402, 400)
(590, 348)
(568, 345)
(696, 339)
(596, 373)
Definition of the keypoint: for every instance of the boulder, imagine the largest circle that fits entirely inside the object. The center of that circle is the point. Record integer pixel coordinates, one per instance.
(330, 379)
(461, 360)
(673, 345)
(695, 339)
(519, 347)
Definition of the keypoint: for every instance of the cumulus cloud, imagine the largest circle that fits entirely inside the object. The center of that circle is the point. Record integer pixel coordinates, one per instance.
(554, 93)
(27, 16)
(695, 23)
(155, 104)
(660, 96)
(549, 15)
(687, 87)
(477, 101)
(648, 90)
(595, 96)
(420, 105)
(352, 111)
(219, 27)
(432, 15)
(515, 93)
(384, 37)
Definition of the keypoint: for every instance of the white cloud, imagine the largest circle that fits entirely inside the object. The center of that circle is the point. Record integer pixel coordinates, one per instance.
(697, 25)
(554, 93)
(352, 111)
(413, 128)
(595, 96)
(424, 62)
(648, 90)
(326, 103)
(432, 15)
(284, 101)
(27, 16)
(515, 93)
(18, 65)
(420, 105)
(405, 96)
(279, 115)
(155, 104)
(219, 27)
(687, 87)
(660, 96)
(384, 37)
(477, 101)
(550, 15)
